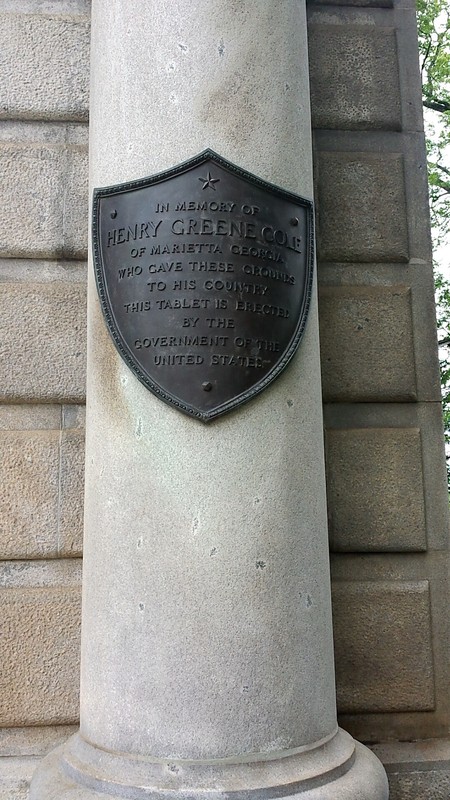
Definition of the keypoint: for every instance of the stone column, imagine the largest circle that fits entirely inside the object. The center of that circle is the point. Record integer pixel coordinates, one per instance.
(207, 661)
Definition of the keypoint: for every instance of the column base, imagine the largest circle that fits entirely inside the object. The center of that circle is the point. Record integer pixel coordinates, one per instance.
(339, 769)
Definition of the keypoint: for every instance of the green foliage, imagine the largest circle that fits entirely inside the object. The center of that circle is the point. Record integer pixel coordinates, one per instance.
(433, 18)
(434, 38)
(443, 322)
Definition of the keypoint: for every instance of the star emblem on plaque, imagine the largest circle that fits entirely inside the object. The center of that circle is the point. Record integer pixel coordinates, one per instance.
(204, 275)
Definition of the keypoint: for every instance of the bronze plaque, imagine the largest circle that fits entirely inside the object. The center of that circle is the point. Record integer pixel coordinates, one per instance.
(204, 274)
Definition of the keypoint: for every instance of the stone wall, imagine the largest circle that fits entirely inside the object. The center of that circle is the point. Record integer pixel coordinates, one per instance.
(386, 481)
(43, 246)
(386, 476)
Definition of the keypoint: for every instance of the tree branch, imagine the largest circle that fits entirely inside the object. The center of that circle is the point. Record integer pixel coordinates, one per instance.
(425, 58)
(438, 165)
(437, 105)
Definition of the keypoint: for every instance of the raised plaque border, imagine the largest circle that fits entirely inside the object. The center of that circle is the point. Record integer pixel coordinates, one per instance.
(185, 166)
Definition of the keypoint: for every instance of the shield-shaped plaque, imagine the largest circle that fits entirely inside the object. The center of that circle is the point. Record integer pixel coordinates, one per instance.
(204, 275)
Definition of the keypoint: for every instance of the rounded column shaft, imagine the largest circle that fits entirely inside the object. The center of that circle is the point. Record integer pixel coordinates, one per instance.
(207, 634)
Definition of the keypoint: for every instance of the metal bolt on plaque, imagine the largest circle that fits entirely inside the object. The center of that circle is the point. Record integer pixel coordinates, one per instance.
(204, 274)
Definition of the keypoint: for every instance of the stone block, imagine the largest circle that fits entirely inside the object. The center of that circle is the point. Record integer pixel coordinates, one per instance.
(30, 477)
(420, 784)
(375, 490)
(55, 572)
(15, 777)
(383, 650)
(40, 661)
(46, 213)
(35, 741)
(21, 750)
(366, 339)
(28, 417)
(76, 208)
(70, 528)
(358, 3)
(73, 416)
(43, 342)
(409, 418)
(50, 80)
(361, 207)
(42, 481)
(354, 77)
(416, 770)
